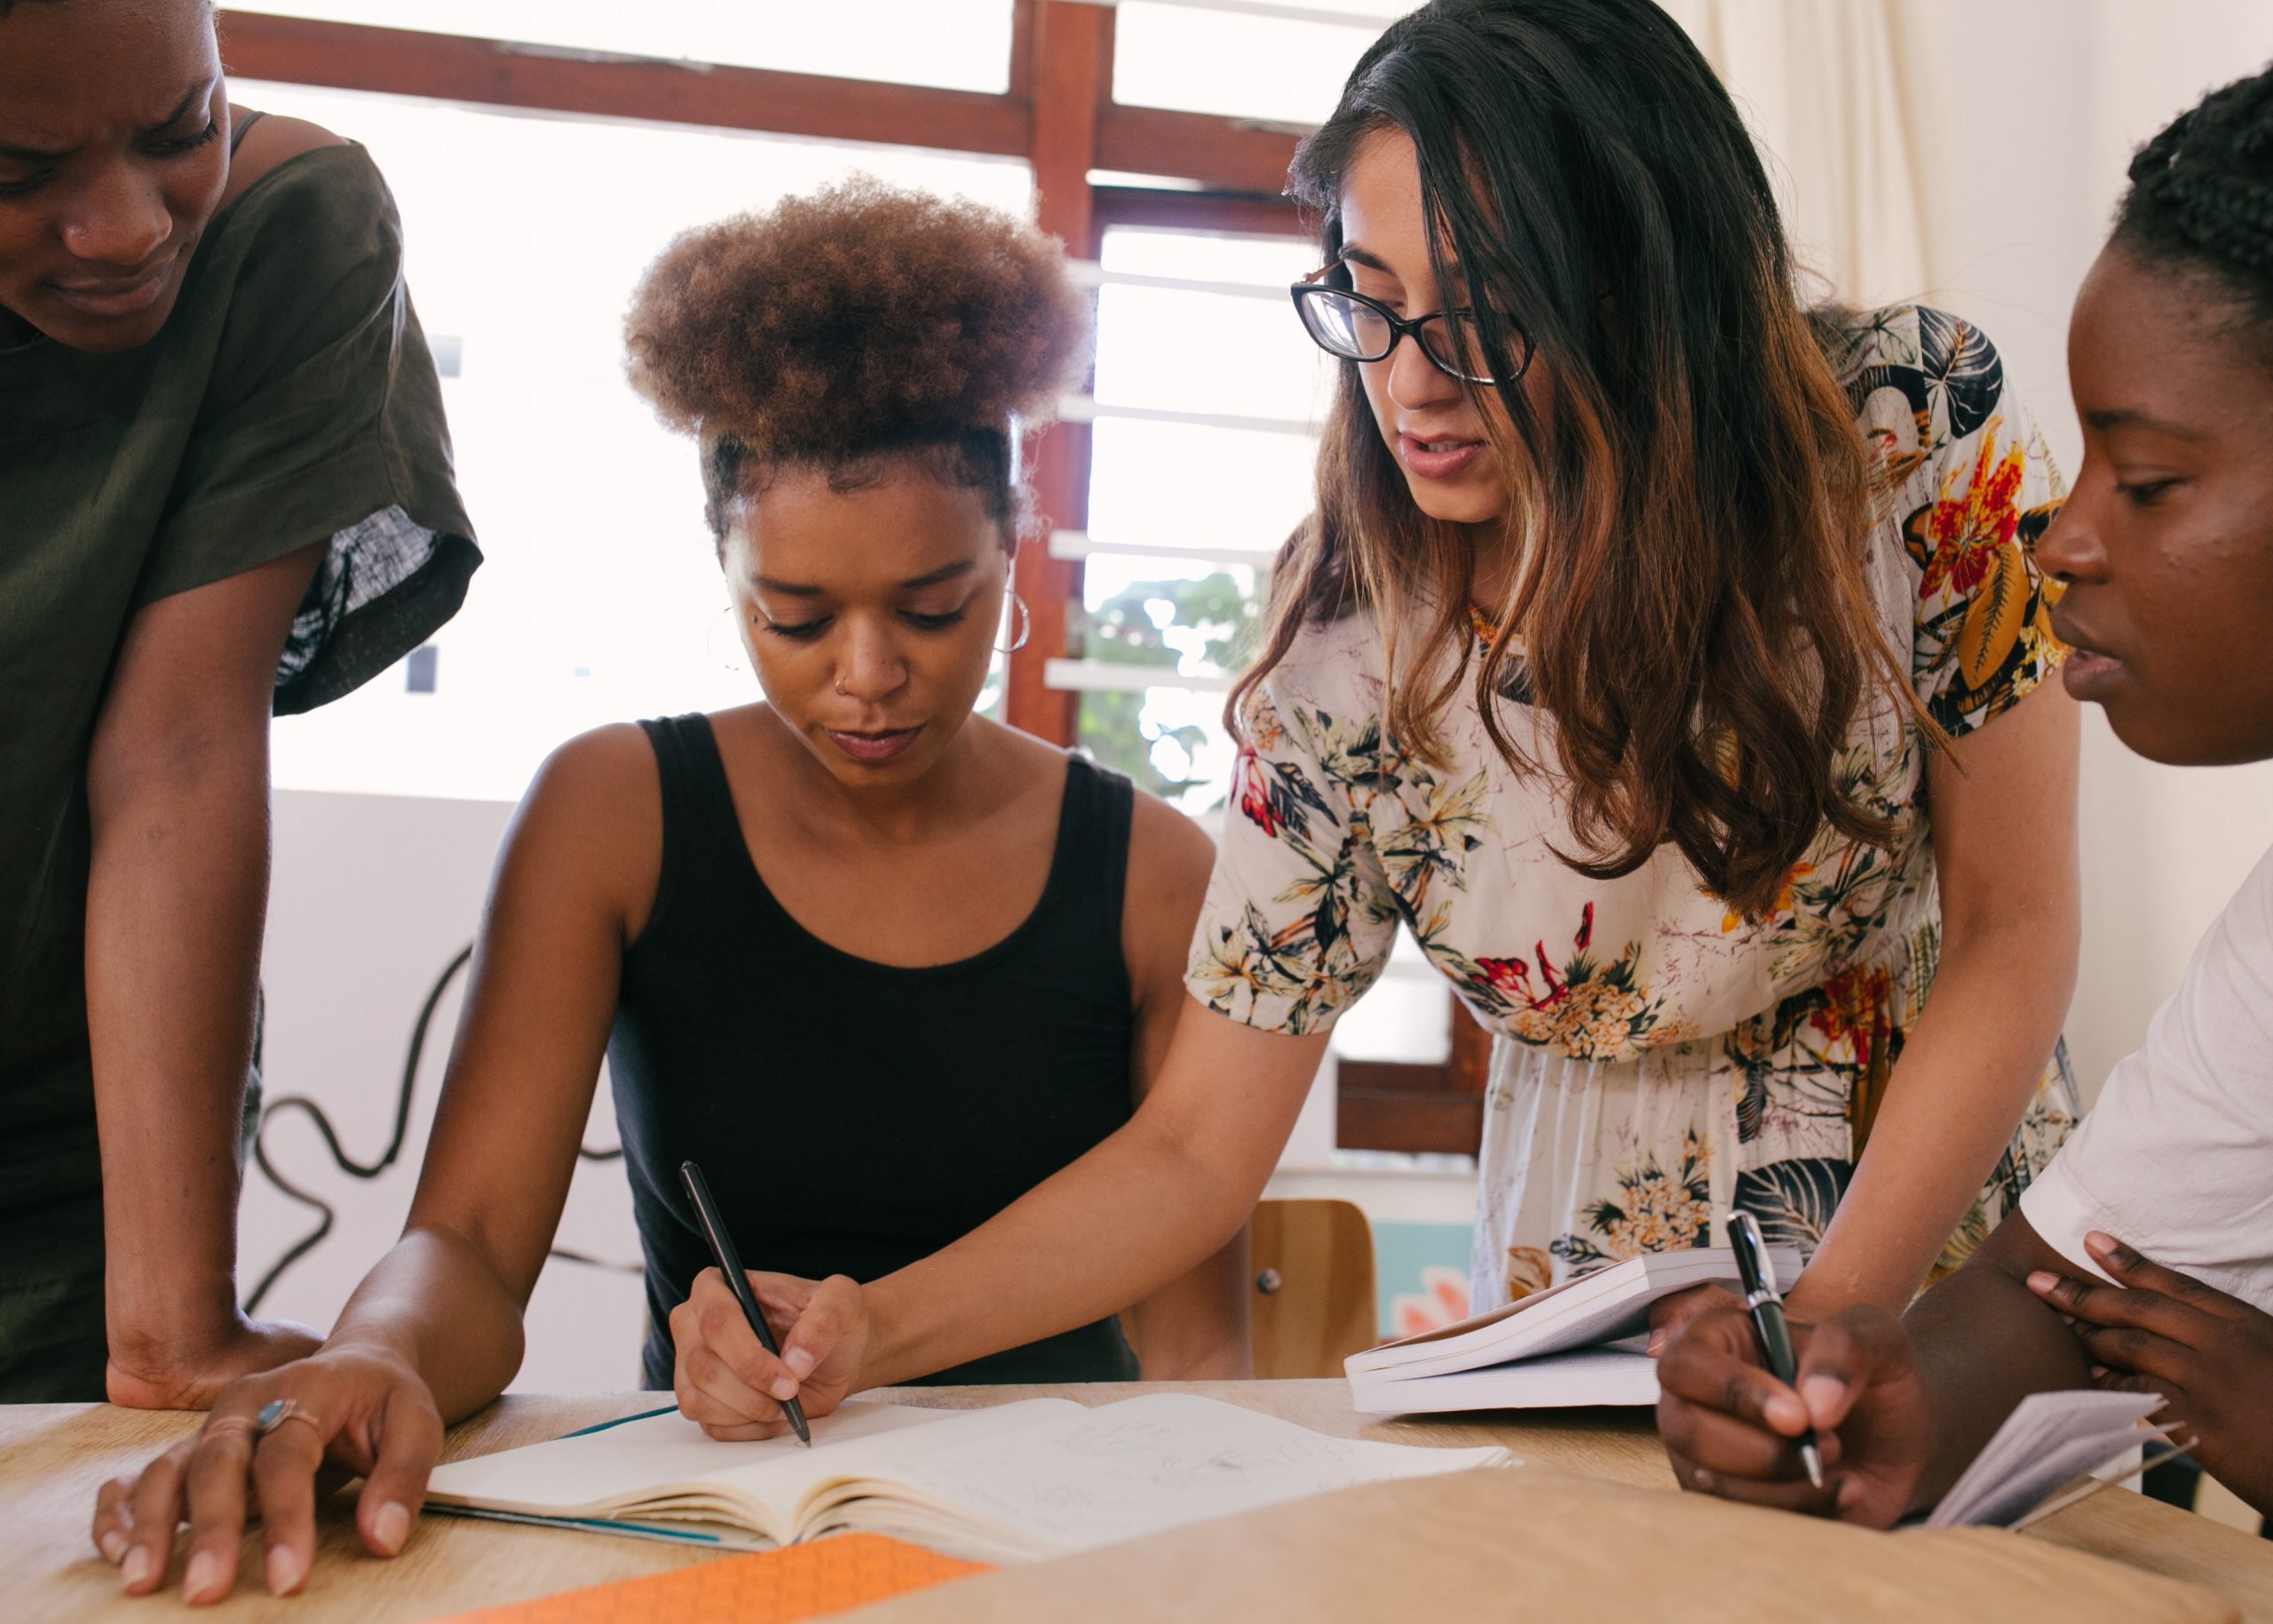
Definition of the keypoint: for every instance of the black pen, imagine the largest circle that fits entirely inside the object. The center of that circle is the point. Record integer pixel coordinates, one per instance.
(1768, 1328)
(730, 1264)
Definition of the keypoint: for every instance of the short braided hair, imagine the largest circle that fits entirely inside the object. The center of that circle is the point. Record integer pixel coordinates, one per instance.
(2202, 193)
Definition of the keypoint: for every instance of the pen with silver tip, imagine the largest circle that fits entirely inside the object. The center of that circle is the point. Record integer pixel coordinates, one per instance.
(1766, 1310)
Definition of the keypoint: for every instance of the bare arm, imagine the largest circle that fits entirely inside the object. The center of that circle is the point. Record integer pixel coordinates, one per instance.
(2003, 808)
(573, 883)
(1195, 1327)
(177, 889)
(434, 1331)
(1150, 1203)
(1985, 1306)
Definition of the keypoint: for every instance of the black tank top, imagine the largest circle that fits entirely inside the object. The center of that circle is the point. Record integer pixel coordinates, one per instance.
(852, 1117)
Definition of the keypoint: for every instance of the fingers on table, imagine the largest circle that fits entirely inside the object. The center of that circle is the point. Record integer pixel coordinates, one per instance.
(410, 1441)
(284, 1466)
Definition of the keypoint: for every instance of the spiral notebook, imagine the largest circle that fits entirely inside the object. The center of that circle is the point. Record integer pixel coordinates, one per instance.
(1014, 1481)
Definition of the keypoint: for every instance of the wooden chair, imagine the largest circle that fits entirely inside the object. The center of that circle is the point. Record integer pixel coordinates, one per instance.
(1312, 1266)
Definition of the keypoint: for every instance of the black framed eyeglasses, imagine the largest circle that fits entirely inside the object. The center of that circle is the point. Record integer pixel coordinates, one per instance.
(1355, 328)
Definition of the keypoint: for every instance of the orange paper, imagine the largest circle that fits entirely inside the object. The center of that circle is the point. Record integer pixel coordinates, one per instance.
(773, 1587)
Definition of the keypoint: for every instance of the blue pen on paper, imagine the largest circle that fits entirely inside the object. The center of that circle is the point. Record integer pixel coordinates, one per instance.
(1760, 1300)
(730, 1264)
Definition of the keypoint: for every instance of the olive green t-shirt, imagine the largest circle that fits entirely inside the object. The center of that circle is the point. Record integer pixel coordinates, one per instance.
(289, 397)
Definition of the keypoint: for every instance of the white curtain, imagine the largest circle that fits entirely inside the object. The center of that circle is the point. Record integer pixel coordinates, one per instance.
(1816, 82)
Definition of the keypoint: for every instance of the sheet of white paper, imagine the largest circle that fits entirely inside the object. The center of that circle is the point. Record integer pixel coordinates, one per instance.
(1154, 1462)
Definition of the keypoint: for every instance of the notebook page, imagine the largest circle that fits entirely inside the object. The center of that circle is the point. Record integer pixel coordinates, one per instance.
(2049, 1441)
(592, 1474)
(1143, 1464)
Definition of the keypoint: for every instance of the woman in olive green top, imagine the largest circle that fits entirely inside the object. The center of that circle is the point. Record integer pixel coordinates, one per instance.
(225, 486)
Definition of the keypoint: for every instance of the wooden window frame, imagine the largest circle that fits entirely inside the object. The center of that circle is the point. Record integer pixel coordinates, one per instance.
(1059, 115)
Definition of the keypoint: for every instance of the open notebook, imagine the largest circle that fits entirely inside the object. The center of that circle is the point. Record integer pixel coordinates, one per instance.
(1022, 1480)
(1579, 1342)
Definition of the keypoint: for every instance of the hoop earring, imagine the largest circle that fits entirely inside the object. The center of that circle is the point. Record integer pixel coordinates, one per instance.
(1026, 626)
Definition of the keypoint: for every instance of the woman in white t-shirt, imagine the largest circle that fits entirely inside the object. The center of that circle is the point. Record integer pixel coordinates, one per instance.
(2152, 1230)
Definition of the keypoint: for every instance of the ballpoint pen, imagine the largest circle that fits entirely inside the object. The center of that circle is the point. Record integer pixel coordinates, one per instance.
(730, 1264)
(1766, 1309)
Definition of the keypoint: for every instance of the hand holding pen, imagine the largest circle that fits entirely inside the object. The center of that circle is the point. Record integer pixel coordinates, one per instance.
(1765, 1308)
(729, 1267)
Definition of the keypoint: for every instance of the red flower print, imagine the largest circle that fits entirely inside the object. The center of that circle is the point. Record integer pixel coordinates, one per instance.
(1962, 533)
(1555, 990)
(1587, 928)
(1509, 976)
(1255, 795)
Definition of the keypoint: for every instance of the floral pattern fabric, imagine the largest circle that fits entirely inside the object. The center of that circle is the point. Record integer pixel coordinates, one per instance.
(1658, 1058)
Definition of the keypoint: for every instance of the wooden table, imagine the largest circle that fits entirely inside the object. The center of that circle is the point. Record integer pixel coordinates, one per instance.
(53, 1457)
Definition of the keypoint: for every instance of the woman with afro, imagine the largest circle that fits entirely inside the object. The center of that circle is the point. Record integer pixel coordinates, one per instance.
(880, 965)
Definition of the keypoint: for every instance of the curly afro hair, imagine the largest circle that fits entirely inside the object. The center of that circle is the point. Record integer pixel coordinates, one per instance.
(858, 321)
(2202, 192)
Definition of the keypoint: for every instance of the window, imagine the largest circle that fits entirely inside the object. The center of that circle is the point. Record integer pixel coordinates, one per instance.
(600, 600)
(958, 45)
(1185, 518)
(1283, 63)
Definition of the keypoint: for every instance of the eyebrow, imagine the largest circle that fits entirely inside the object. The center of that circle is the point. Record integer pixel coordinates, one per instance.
(945, 572)
(2131, 417)
(33, 155)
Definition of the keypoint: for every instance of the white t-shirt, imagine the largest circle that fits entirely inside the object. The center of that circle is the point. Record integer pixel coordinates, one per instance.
(2176, 1160)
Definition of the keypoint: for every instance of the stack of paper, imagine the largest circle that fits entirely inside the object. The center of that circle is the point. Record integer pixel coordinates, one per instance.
(2049, 1441)
(1579, 1342)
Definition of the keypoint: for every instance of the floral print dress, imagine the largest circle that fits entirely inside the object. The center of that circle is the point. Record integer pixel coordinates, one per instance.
(1657, 1057)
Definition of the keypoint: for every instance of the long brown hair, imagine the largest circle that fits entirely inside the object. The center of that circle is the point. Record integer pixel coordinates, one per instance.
(1692, 502)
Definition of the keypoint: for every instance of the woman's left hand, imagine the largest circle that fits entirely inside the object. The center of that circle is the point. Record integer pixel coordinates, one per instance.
(2208, 1354)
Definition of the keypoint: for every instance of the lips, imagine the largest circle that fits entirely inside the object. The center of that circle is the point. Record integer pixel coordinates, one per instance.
(2089, 671)
(1439, 458)
(870, 749)
(120, 296)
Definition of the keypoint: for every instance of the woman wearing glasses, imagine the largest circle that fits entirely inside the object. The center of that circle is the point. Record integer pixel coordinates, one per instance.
(1644, 618)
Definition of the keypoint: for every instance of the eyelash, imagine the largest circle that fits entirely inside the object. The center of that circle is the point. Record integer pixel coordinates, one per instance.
(163, 149)
(2145, 495)
(805, 631)
(174, 149)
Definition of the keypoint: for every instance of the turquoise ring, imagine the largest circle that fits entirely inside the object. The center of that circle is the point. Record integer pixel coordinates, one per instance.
(276, 1412)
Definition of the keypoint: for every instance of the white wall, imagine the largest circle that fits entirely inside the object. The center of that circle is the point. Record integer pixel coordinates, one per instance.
(371, 898)
(2024, 116)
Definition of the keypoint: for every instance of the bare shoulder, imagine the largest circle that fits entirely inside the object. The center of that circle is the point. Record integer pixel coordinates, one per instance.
(1168, 849)
(1169, 860)
(269, 143)
(592, 820)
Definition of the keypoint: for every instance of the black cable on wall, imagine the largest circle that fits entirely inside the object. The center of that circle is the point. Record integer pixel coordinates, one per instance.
(326, 1214)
